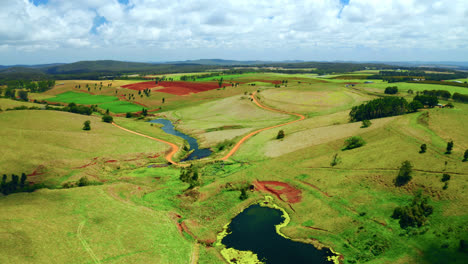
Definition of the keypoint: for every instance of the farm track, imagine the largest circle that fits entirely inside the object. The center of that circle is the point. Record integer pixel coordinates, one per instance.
(175, 148)
(237, 146)
(85, 244)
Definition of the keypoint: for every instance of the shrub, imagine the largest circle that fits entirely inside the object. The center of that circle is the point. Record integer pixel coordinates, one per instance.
(366, 123)
(415, 214)
(405, 173)
(354, 142)
(423, 148)
(83, 181)
(87, 125)
(465, 156)
(445, 177)
(449, 147)
(128, 115)
(280, 134)
(107, 119)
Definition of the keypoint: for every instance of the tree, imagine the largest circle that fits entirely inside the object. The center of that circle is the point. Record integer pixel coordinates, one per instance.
(23, 179)
(107, 111)
(423, 148)
(107, 119)
(23, 95)
(405, 174)
(415, 105)
(163, 100)
(87, 125)
(128, 115)
(449, 147)
(354, 142)
(144, 112)
(366, 123)
(465, 156)
(445, 177)
(391, 90)
(280, 134)
(83, 181)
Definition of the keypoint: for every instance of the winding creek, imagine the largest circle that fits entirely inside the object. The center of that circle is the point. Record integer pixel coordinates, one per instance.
(169, 128)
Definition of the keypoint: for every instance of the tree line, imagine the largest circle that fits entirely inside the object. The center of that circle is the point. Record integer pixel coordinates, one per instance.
(16, 184)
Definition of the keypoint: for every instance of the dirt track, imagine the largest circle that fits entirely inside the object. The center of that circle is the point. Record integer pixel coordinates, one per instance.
(174, 147)
(237, 146)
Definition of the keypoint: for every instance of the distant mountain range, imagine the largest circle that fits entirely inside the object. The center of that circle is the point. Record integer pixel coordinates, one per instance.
(106, 68)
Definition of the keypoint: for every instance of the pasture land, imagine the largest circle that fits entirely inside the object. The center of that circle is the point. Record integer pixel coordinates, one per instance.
(144, 214)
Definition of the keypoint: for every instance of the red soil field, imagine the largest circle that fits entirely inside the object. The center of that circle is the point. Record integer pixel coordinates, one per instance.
(176, 88)
(140, 86)
(283, 191)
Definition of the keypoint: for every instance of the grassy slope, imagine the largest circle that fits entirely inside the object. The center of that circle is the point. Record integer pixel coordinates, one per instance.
(56, 140)
(8, 103)
(59, 226)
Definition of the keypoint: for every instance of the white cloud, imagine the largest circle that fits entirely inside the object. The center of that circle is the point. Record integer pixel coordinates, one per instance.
(236, 24)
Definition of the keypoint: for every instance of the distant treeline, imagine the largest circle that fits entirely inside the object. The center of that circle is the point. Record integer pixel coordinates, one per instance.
(420, 77)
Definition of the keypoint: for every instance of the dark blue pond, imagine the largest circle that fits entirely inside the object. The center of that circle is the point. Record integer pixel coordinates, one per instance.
(254, 230)
(197, 153)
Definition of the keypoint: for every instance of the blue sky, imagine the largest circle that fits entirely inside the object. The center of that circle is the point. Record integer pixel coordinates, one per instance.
(46, 31)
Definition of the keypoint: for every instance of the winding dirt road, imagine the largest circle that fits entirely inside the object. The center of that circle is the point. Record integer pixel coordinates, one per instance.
(237, 146)
(175, 148)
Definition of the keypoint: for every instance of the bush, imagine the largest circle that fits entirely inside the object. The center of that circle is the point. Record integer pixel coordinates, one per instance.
(465, 156)
(445, 177)
(107, 119)
(423, 148)
(414, 215)
(354, 142)
(280, 134)
(87, 125)
(391, 90)
(128, 115)
(405, 173)
(449, 147)
(83, 181)
(366, 123)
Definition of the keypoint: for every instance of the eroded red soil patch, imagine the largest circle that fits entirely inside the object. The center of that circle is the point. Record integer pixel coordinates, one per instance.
(282, 190)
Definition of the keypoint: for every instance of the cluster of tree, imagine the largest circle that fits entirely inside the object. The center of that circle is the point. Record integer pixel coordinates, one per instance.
(443, 94)
(428, 100)
(415, 214)
(391, 90)
(16, 184)
(190, 175)
(460, 97)
(83, 181)
(280, 134)
(79, 109)
(107, 119)
(377, 108)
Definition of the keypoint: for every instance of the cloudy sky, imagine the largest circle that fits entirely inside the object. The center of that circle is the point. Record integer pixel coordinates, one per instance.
(46, 31)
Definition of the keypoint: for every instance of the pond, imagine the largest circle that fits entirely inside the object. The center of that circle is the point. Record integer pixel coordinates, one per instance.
(254, 230)
(197, 153)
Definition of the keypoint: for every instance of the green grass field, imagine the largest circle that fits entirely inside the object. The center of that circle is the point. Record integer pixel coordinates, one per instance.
(82, 98)
(103, 101)
(141, 214)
